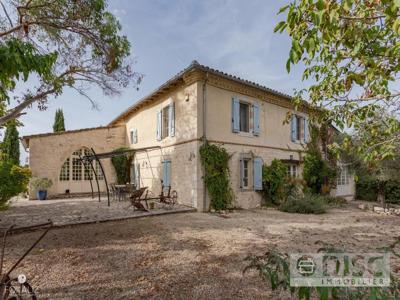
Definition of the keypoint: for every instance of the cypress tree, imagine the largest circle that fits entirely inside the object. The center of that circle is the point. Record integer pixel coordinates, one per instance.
(10, 145)
(59, 121)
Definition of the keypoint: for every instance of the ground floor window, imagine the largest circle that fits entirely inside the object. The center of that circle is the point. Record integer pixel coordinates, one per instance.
(245, 178)
(79, 171)
(251, 172)
(292, 170)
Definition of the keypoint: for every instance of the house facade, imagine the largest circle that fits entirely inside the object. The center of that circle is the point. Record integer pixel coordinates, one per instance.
(168, 127)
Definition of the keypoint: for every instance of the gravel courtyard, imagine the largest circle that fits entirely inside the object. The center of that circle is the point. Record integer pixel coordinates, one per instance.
(186, 256)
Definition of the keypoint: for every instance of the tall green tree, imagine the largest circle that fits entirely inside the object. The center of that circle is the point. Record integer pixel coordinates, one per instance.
(351, 53)
(10, 145)
(63, 43)
(59, 121)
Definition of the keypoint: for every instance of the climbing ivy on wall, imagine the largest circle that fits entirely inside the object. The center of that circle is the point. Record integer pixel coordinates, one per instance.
(121, 165)
(215, 160)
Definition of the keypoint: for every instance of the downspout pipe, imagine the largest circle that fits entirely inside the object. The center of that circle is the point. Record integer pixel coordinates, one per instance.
(204, 139)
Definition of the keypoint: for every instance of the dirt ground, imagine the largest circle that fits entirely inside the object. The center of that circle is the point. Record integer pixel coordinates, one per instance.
(185, 256)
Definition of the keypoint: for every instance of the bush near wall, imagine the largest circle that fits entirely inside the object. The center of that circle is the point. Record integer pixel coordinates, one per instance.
(367, 190)
(215, 160)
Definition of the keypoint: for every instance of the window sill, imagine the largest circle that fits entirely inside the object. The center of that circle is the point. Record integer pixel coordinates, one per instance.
(246, 134)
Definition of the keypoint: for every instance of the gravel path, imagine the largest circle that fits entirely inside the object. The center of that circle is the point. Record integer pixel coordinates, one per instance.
(23, 212)
(185, 256)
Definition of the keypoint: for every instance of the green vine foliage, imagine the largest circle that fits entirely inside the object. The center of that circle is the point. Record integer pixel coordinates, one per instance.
(318, 172)
(121, 165)
(274, 179)
(215, 160)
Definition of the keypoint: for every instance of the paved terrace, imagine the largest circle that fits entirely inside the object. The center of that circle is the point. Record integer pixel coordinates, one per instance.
(64, 212)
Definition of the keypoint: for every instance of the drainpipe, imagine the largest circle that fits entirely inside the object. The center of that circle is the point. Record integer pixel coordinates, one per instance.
(204, 139)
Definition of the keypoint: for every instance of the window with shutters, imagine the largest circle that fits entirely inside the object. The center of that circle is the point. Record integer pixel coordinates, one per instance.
(165, 122)
(250, 172)
(299, 129)
(244, 117)
(246, 171)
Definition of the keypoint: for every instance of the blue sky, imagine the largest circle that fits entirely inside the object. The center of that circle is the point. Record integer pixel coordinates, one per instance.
(234, 36)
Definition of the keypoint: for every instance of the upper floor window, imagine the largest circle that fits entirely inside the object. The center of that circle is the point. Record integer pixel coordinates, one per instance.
(166, 122)
(299, 129)
(133, 136)
(245, 117)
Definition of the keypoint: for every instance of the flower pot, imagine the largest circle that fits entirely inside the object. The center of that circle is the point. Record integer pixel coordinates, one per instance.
(41, 195)
(151, 205)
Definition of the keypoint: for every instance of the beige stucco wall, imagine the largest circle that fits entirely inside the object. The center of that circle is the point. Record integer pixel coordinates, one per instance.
(181, 149)
(274, 133)
(273, 142)
(184, 171)
(48, 153)
(145, 119)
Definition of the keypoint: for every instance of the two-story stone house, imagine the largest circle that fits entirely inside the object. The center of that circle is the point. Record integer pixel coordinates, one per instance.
(199, 104)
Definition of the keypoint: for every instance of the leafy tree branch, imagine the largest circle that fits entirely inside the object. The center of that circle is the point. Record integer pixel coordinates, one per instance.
(59, 44)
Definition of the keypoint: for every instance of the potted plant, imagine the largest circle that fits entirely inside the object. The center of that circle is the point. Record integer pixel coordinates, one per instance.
(41, 185)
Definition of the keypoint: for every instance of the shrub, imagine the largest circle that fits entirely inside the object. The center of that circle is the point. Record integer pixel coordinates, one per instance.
(317, 172)
(274, 178)
(334, 201)
(367, 190)
(215, 160)
(308, 204)
(121, 165)
(392, 192)
(41, 184)
(14, 180)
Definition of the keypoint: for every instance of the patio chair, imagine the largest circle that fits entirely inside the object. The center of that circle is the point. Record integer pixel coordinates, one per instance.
(136, 199)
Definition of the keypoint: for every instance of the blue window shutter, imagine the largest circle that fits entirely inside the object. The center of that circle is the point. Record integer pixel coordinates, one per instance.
(256, 119)
(293, 127)
(166, 173)
(306, 131)
(159, 125)
(171, 119)
(257, 176)
(235, 115)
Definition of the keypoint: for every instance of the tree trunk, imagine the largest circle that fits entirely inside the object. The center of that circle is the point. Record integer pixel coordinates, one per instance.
(381, 193)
